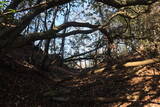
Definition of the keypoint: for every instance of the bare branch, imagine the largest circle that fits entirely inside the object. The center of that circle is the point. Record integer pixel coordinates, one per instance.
(13, 4)
(25, 9)
(75, 32)
(117, 4)
(75, 24)
(47, 35)
(82, 54)
(25, 20)
(35, 11)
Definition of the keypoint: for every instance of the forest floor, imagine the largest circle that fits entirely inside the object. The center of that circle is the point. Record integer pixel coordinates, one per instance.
(23, 85)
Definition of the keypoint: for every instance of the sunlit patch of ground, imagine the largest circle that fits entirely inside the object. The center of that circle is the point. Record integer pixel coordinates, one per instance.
(21, 84)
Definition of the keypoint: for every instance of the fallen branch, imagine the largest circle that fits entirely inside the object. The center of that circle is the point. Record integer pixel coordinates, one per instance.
(126, 64)
(139, 63)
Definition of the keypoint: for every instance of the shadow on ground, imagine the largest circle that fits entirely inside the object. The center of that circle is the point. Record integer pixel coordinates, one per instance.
(25, 86)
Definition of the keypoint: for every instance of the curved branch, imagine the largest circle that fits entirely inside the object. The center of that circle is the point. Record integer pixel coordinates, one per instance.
(25, 9)
(13, 4)
(75, 32)
(12, 33)
(75, 24)
(116, 4)
(28, 18)
(47, 35)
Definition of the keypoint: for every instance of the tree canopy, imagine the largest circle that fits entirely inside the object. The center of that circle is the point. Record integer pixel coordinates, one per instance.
(81, 26)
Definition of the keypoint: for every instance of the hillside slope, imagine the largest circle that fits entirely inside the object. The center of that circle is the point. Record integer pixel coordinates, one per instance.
(24, 85)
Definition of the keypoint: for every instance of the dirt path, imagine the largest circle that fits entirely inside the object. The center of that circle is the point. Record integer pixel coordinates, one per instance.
(23, 86)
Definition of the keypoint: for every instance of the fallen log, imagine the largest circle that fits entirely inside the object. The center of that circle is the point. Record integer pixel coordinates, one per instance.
(139, 63)
(126, 64)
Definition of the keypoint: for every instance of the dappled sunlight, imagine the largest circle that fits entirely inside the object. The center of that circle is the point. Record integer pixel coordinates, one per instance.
(79, 53)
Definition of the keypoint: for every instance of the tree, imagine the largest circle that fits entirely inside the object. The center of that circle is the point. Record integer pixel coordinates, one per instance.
(17, 15)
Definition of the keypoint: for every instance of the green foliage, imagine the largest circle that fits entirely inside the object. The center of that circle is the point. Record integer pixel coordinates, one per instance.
(11, 11)
(3, 4)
